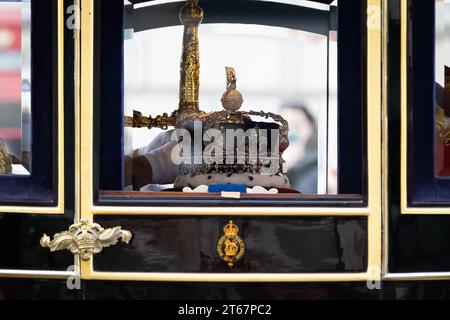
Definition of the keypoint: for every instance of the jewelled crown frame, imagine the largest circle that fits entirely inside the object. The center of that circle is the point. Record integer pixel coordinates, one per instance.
(191, 16)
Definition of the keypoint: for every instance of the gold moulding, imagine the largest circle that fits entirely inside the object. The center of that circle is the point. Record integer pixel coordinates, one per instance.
(85, 239)
(231, 248)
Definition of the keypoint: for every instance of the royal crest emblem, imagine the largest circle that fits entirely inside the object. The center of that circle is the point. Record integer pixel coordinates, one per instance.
(231, 247)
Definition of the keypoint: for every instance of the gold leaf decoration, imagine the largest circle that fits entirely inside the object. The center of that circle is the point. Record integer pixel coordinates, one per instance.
(231, 248)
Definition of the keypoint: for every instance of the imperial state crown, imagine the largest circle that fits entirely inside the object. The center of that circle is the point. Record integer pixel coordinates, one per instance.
(237, 149)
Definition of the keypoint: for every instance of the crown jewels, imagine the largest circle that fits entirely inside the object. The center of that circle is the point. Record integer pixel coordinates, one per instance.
(223, 171)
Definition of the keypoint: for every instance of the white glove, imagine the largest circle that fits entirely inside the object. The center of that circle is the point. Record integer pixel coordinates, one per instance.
(159, 141)
(159, 155)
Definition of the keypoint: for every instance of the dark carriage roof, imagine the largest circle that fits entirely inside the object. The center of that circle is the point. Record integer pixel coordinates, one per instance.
(319, 1)
(249, 11)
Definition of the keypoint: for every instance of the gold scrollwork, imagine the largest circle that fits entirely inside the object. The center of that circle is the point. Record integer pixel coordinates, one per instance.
(231, 248)
(85, 239)
(139, 121)
(442, 126)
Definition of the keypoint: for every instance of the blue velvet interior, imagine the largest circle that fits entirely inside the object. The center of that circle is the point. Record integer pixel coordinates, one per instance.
(352, 105)
(425, 188)
(40, 187)
(217, 188)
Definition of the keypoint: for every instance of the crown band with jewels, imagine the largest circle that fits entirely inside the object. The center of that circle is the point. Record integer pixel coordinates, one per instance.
(191, 16)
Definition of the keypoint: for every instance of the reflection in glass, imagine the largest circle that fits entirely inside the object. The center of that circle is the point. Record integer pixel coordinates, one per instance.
(15, 122)
(443, 87)
(284, 71)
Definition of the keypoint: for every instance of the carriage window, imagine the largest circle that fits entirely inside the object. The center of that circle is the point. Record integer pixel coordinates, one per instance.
(442, 73)
(231, 96)
(15, 84)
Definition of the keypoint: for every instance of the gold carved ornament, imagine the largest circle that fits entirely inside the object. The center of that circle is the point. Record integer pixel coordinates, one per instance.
(86, 239)
(231, 248)
(442, 126)
(5, 159)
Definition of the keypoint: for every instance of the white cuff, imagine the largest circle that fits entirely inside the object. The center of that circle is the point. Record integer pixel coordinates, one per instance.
(164, 170)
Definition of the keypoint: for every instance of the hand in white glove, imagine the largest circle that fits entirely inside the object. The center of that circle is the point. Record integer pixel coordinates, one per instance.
(164, 170)
(153, 163)
(160, 140)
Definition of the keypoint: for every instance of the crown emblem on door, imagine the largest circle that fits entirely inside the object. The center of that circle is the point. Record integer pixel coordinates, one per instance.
(86, 239)
(231, 247)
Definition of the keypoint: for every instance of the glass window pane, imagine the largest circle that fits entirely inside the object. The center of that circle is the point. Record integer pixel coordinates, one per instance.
(280, 70)
(198, 129)
(443, 87)
(15, 86)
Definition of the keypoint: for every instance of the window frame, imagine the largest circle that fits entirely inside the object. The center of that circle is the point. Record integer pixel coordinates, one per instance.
(372, 210)
(422, 192)
(108, 159)
(42, 192)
